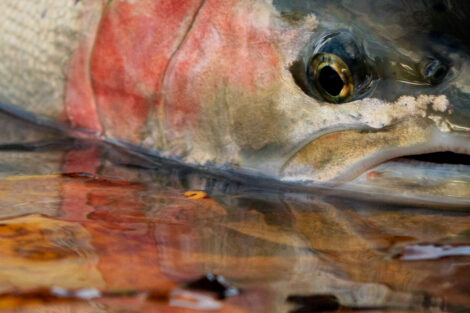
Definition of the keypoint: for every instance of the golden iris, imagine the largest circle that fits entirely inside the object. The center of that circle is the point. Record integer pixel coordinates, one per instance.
(332, 77)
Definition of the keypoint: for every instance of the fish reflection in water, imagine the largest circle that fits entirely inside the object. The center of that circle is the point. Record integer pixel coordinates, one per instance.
(125, 231)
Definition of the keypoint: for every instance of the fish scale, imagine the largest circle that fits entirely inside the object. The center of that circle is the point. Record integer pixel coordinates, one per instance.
(38, 38)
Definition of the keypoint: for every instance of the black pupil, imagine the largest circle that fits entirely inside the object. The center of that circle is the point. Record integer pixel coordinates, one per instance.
(330, 81)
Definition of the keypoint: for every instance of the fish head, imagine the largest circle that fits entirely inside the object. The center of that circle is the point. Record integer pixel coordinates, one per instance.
(313, 91)
(403, 92)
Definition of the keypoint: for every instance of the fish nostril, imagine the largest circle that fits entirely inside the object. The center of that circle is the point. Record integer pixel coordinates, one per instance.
(330, 81)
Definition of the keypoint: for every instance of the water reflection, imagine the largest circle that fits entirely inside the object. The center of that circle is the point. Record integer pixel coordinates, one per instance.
(82, 230)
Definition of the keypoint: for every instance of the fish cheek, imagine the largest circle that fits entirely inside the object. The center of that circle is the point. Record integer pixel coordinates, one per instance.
(256, 121)
(211, 137)
(234, 122)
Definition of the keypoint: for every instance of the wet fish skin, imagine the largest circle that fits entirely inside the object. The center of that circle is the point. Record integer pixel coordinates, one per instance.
(210, 82)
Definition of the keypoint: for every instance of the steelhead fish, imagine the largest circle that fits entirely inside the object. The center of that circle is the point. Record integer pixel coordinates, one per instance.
(317, 92)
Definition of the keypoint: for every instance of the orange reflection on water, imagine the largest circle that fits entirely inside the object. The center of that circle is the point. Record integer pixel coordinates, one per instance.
(106, 238)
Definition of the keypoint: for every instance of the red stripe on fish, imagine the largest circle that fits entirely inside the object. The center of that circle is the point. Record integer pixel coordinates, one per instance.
(166, 60)
(135, 42)
(80, 105)
(230, 47)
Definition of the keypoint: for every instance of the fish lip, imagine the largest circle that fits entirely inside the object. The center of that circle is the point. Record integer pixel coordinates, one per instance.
(409, 182)
(455, 142)
(452, 141)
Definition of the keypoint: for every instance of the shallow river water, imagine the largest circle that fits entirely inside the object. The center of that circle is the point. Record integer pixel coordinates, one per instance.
(89, 228)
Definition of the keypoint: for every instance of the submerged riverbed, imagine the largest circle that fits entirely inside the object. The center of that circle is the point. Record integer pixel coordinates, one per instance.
(90, 228)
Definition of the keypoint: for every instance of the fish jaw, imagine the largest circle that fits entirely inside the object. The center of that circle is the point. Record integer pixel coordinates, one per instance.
(402, 180)
(340, 156)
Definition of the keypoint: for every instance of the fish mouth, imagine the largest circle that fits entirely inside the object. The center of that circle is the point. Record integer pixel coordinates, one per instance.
(444, 150)
(342, 157)
(439, 158)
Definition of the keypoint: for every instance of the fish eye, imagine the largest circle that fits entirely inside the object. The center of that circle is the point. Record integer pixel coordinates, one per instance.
(332, 77)
(339, 69)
